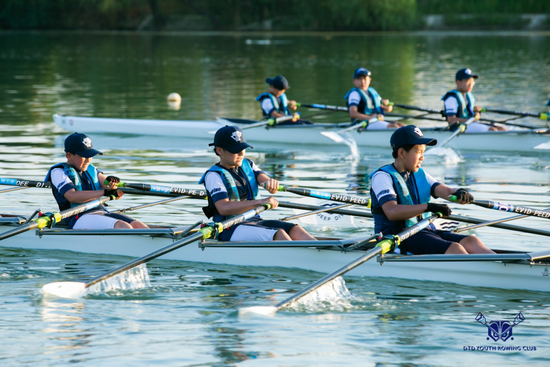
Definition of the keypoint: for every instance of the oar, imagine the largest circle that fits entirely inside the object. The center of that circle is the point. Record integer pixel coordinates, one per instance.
(506, 122)
(269, 122)
(322, 107)
(51, 219)
(150, 204)
(78, 289)
(381, 248)
(326, 195)
(13, 189)
(335, 135)
(460, 129)
(474, 226)
(160, 189)
(541, 115)
(23, 183)
(507, 208)
(416, 108)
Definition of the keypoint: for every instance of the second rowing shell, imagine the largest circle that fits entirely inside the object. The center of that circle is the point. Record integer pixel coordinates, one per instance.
(509, 141)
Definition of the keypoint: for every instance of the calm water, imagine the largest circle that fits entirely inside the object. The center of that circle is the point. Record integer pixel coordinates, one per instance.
(186, 317)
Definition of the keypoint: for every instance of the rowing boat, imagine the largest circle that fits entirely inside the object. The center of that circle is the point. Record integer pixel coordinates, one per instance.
(509, 141)
(506, 270)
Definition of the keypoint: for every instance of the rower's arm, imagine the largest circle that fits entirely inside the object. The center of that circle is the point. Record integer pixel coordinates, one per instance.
(396, 212)
(443, 191)
(356, 115)
(74, 196)
(227, 207)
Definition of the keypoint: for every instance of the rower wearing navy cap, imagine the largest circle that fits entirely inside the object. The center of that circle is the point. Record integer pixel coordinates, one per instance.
(400, 194)
(232, 187)
(460, 104)
(364, 103)
(274, 102)
(77, 181)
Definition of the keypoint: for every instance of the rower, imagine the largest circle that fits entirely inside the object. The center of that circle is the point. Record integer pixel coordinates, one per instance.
(232, 187)
(459, 104)
(77, 181)
(400, 194)
(274, 102)
(364, 103)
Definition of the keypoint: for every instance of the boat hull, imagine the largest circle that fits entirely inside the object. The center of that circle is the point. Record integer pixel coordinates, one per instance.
(509, 141)
(527, 275)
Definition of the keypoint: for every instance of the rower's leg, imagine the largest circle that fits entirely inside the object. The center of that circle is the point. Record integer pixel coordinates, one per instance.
(473, 245)
(120, 224)
(456, 249)
(297, 233)
(138, 224)
(281, 235)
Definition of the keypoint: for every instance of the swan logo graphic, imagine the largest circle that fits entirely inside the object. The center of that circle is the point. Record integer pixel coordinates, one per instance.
(237, 136)
(500, 329)
(418, 132)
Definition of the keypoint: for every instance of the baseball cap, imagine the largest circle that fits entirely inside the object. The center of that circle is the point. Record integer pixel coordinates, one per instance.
(360, 72)
(230, 138)
(278, 82)
(409, 134)
(465, 74)
(80, 144)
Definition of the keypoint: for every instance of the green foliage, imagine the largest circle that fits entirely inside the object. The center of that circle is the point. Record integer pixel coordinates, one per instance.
(483, 7)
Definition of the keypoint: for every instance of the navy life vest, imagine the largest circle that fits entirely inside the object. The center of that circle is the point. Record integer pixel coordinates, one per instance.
(70, 171)
(465, 110)
(423, 193)
(279, 107)
(371, 95)
(253, 192)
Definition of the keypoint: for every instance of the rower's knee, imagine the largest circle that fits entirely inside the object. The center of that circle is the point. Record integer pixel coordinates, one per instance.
(299, 233)
(456, 249)
(281, 235)
(474, 245)
(137, 224)
(122, 225)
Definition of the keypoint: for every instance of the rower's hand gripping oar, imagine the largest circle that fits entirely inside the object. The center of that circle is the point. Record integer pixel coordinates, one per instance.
(507, 207)
(78, 289)
(50, 219)
(381, 247)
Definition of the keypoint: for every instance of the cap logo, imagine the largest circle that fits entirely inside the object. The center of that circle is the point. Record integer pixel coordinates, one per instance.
(418, 132)
(468, 71)
(87, 142)
(237, 136)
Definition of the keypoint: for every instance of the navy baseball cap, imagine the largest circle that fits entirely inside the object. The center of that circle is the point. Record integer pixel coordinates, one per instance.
(279, 82)
(230, 138)
(409, 134)
(80, 144)
(360, 72)
(465, 74)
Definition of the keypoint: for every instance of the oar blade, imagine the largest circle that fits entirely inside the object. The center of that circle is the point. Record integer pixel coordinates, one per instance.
(65, 289)
(333, 136)
(258, 310)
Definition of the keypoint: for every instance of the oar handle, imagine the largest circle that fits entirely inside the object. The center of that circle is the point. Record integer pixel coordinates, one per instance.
(505, 207)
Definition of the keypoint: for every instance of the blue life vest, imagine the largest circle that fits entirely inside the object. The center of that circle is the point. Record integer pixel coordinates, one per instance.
(64, 204)
(363, 106)
(465, 110)
(280, 108)
(253, 192)
(423, 193)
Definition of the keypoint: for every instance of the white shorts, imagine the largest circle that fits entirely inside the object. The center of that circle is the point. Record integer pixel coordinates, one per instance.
(476, 127)
(253, 233)
(95, 221)
(378, 125)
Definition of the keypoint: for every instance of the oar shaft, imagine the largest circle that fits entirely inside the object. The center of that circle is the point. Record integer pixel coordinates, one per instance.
(24, 183)
(323, 107)
(203, 233)
(163, 189)
(512, 208)
(416, 108)
(328, 209)
(327, 195)
(381, 247)
(542, 116)
(461, 128)
(137, 207)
